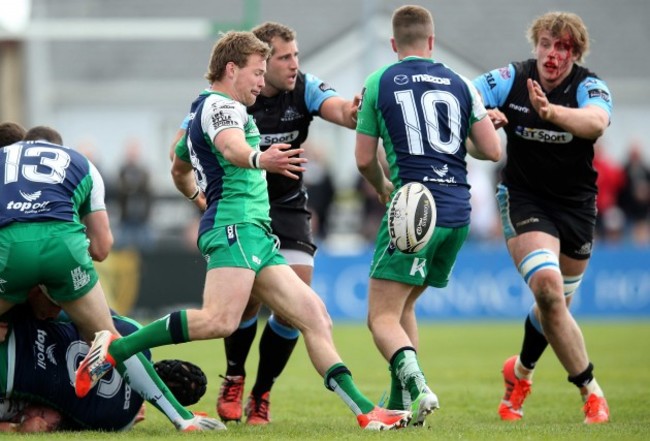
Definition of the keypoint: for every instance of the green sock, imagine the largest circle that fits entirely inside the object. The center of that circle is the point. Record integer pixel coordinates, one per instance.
(143, 379)
(407, 369)
(399, 398)
(339, 379)
(169, 329)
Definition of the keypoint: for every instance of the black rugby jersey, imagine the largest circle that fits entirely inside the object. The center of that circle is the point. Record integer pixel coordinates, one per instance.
(543, 158)
(285, 118)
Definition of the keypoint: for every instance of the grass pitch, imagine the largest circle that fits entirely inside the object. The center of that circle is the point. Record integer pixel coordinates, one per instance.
(462, 362)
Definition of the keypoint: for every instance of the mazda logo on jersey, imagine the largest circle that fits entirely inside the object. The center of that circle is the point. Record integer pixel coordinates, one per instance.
(401, 79)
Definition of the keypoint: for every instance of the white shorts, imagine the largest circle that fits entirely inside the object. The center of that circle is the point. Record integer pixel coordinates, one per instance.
(297, 257)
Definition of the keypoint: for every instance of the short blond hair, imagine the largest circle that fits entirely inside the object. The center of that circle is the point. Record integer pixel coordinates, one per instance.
(412, 25)
(558, 24)
(236, 47)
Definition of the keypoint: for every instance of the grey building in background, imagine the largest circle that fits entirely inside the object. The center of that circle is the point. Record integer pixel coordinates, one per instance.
(104, 71)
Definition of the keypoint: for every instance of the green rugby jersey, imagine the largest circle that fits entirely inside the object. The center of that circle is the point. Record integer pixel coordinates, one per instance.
(234, 194)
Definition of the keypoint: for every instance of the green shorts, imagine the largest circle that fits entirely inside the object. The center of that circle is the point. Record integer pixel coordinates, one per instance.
(54, 254)
(240, 246)
(430, 266)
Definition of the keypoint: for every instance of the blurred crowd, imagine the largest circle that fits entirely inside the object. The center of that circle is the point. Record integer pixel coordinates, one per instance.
(623, 196)
(623, 200)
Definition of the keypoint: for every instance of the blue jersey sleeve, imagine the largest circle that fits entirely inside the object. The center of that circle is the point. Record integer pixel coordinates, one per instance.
(593, 91)
(186, 122)
(495, 85)
(316, 92)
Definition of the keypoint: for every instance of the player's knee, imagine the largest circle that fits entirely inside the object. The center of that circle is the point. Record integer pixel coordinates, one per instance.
(220, 326)
(322, 319)
(541, 271)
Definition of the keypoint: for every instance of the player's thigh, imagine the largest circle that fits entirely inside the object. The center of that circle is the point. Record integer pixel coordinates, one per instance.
(70, 273)
(52, 254)
(90, 312)
(236, 253)
(281, 289)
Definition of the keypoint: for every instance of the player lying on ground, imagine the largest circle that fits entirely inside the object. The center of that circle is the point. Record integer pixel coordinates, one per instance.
(37, 386)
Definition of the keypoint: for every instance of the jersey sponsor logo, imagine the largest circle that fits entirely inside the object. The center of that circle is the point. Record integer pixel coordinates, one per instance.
(80, 278)
(540, 135)
(274, 138)
(449, 180)
(441, 171)
(221, 119)
(504, 72)
(530, 220)
(418, 267)
(30, 196)
(29, 207)
(489, 79)
(599, 93)
(518, 108)
(401, 79)
(441, 176)
(324, 87)
(426, 78)
(291, 114)
(43, 353)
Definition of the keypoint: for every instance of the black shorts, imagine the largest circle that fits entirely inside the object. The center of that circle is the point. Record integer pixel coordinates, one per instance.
(291, 222)
(573, 225)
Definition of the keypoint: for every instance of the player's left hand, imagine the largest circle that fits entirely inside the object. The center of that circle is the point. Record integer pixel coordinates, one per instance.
(281, 159)
(539, 100)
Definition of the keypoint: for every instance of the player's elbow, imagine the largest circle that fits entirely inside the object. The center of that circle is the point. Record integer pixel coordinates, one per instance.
(100, 247)
(494, 153)
(363, 166)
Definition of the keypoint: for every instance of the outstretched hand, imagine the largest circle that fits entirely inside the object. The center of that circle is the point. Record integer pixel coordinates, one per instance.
(539, 100)
(279, 158)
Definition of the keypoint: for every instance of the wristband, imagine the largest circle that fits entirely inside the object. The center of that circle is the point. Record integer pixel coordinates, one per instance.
(254, 159)
(195, 195)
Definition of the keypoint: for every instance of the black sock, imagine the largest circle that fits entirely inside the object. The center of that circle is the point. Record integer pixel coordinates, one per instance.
(533, 346)
(237, 346)
(275, 351)
(583, 378)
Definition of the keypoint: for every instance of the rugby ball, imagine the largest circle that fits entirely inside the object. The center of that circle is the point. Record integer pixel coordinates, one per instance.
(411, 217)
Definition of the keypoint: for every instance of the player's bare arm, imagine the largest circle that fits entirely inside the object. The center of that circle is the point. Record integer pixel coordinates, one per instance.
(486, 144)
(185, 182)
(172, 148)
(370, 167)
(99, 233)
(587, 122)
(340, 111)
